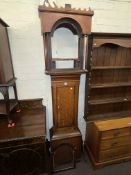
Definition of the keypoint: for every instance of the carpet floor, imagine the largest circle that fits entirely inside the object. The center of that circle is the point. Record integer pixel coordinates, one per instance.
(84, 167)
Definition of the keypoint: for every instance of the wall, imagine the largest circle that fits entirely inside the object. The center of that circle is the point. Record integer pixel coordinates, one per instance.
(27, 45)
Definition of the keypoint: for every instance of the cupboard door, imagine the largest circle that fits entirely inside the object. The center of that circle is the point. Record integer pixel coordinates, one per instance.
(65, 102)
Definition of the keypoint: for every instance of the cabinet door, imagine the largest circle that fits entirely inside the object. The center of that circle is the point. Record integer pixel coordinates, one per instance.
(65, 102)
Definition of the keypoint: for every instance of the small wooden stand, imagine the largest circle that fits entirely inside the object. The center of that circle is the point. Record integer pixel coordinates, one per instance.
(7, 78)
(7, 105)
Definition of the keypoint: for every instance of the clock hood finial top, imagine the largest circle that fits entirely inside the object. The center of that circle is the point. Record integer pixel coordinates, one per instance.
(67, 9)
(53, 17)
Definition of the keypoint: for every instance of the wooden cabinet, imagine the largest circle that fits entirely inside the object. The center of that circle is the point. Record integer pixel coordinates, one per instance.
(108, 96)
(109, 141)
(7, 78)
(23, 147)
(108, 85)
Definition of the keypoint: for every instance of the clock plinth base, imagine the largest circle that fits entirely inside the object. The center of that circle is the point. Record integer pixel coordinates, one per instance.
(66, 146)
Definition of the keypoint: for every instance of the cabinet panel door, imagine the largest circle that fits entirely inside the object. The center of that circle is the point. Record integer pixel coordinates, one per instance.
(65, 103)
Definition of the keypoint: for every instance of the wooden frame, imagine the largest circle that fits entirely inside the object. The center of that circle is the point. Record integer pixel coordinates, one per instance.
(65, 82)
(7, 78)
(107, 92)
(78, 21)
(54, 153)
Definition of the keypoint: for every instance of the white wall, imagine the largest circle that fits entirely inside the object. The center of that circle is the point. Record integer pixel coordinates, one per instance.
(27, 44)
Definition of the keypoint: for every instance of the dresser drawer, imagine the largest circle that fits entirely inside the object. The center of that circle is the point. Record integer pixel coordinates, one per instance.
(115, 142)
(117, 152)
(109, 141)
(115, 133)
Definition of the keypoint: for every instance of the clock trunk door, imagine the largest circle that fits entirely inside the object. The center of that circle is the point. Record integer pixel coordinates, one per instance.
(65, 93)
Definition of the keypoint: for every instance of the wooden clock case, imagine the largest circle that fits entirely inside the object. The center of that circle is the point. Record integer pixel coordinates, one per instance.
(66, 139)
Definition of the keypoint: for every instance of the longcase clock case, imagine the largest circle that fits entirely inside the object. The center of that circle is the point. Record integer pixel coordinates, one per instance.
(66, 140)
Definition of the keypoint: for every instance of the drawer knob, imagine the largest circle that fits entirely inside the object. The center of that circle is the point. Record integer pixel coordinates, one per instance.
(65, 83)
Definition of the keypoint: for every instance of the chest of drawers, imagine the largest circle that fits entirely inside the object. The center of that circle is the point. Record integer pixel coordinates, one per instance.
(109, 141)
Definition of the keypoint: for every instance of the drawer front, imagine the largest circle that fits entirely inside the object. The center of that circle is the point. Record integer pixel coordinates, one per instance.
(112, 154)
(115, 133)
(115, 142)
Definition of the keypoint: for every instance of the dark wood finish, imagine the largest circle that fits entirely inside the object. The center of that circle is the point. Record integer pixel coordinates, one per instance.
(109, 141)
(67, 135)
(66, 72)
(65, 143)
(24, 144)
(7, 78)
(31, 103)
(13, 104)
(108, 84)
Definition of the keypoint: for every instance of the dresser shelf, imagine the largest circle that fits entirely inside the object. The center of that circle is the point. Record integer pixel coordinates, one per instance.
(108, 83)
(110, 100)
(110, 67)
(111, 115)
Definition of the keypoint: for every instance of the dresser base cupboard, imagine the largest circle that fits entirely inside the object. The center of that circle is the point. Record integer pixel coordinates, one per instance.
(109, 141)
